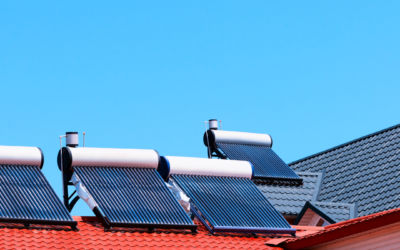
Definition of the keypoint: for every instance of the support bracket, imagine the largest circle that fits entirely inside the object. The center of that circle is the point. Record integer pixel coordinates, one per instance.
(68, 203)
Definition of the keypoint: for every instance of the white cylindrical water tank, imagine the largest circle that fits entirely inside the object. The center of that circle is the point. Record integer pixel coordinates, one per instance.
(203, 166)
(22, 156)
(233, 137)
(109, 157)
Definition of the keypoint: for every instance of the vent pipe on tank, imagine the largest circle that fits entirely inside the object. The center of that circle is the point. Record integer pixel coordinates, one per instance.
(213, 124)
(72, 139)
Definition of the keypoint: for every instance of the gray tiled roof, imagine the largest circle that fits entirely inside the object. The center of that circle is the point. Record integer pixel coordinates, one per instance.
(366, 171)
(337, 211)
(289, 200)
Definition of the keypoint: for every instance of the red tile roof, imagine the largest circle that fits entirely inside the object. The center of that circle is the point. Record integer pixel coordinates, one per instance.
(91, 235)
(343, 229)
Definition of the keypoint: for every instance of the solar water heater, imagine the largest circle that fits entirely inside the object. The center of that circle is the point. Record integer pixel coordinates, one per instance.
(123, 188)
(255, 148)
(26, 196)
(223, 196)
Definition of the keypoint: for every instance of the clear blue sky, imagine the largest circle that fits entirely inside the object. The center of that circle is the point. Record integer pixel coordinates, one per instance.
(147, 74)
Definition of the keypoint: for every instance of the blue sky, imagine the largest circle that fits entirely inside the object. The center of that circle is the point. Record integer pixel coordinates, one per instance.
(147, 74)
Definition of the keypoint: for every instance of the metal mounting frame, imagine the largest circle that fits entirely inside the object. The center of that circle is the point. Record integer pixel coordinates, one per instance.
(66, 196)
(28, 222)
(108, 225)
(277, 181)
(253, 230)
(216, 153)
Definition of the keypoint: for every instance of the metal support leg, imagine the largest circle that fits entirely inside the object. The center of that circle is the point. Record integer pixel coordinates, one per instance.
(65, 190)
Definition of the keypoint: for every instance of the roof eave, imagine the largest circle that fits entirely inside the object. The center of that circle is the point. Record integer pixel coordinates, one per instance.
(344, 229)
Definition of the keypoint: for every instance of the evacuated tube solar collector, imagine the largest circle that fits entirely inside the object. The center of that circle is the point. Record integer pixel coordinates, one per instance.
(252, 147)
(223, 197)
(26, 195)
(123, 188)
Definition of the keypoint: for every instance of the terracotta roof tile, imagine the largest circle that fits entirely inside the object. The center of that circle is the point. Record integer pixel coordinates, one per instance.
(336, 230)
(91, 235)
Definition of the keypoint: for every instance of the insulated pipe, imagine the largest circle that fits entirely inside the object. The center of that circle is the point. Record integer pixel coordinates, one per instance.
(202, 166)
(108, 157)
(215, 136)
(25, 156)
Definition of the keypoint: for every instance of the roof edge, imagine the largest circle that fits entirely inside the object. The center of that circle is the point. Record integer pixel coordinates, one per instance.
(316, 210)
(352, 207)
(342, 229)
(343, 144)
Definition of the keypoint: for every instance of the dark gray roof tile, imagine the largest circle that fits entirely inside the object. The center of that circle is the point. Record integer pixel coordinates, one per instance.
(331, 212)
(366, 170)
(290, 200)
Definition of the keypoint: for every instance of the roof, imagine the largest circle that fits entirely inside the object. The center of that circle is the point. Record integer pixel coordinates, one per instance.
(337, 211)
(344, 229)
(330, 212)
(91, 235)
(289, 199)
(365, 170)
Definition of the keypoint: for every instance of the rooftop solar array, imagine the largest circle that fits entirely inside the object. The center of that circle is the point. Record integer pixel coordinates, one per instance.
(133, 197)
(232, 204)
(124, 189)
(221, 202)
(267, 164)
(25, 194)
(27, 197)
(255, 148)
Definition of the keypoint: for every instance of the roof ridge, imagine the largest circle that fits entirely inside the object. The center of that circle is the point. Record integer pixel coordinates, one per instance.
(344, 144)
(332, 203)
(308, 173)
